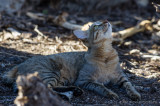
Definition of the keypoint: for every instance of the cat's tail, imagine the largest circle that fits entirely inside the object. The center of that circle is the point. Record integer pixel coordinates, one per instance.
(9, 77)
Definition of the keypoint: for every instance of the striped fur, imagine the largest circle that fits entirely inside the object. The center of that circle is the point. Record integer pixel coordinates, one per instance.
(90, 70)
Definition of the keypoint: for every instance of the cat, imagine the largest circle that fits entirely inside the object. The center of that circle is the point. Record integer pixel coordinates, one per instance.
(90, 70)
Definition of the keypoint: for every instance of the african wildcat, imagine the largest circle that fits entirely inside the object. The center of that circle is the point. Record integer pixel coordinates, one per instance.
(90, 70)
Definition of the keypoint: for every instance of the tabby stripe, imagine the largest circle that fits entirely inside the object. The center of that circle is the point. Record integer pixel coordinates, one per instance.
(58, 75)
(48, 79)
(102, 40)
(104, 91)
(84, 80)
(96, 35)
(91, 86)
(121, 81)
(87, 84)
(51, 72)
(51, 76)
(94, 87)
(65, 79)
(113, 57)
(61, 83)
(121, 84)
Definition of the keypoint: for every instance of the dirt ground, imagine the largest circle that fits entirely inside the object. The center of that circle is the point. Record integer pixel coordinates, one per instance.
(143, 73)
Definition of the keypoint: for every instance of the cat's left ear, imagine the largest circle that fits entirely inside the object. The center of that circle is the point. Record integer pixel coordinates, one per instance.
(80, 34)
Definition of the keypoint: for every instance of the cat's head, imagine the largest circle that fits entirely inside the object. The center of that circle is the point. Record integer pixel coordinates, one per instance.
(98, 32)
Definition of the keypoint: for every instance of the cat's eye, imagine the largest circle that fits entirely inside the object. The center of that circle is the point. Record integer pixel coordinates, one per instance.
(95, 26)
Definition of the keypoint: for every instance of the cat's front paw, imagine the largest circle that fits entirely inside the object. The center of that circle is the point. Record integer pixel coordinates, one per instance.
(135, 96)
(113, 95)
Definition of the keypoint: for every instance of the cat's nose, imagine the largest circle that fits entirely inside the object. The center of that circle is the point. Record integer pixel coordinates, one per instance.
(105, 21)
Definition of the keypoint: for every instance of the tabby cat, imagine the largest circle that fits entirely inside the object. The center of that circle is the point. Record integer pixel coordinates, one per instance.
(90, 70)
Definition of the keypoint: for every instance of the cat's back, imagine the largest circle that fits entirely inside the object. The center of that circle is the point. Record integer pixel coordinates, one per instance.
(72, 60)
(69, 57)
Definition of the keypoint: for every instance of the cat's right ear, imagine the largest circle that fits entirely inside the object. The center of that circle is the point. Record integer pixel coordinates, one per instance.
(80, 34)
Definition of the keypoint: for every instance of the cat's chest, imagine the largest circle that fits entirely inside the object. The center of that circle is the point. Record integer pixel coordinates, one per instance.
(103, 73)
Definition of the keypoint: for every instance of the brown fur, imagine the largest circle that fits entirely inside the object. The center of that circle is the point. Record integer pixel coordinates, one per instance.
(90, 70)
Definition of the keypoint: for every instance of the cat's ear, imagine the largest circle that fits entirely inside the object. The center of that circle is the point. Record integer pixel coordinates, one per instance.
(80, 34)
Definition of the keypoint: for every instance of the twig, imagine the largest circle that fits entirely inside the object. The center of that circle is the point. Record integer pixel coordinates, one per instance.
(61, 21)
(36, 30)
(151, 56)
(35, 16)
(143, 25)
(157, 6)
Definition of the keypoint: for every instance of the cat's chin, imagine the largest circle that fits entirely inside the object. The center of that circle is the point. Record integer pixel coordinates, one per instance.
(108, 36)
(108, 33)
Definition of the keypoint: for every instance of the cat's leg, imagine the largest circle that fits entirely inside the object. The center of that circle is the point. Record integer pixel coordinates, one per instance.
(86, 81)
(122, 81)
(98, 88)
(131, 91)
(50, 78)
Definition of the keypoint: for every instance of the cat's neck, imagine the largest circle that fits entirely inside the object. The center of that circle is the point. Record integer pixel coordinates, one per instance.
(101, 52)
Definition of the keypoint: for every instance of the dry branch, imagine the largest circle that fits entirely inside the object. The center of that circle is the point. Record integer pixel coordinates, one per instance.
(118, 36)
(152, 57)
(157, 6)
(36, 30)
(32, 92)
(142, 26)
(35, 16)
(61, 21)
